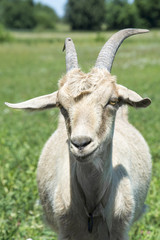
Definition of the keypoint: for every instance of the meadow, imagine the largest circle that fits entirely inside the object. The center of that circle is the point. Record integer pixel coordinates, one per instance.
(30, 66)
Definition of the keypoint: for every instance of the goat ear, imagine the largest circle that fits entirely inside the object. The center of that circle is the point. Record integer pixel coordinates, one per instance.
(38, 103)
(132, 98)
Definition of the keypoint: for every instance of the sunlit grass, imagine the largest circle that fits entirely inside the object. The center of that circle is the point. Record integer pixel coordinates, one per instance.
(30, 66)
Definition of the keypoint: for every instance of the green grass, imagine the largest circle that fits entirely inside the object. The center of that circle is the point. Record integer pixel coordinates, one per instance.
(30, 66)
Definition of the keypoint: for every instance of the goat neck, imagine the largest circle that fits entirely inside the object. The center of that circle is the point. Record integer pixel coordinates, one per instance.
(94, 177)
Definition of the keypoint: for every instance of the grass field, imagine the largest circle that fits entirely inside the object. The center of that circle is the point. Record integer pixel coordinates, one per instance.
(30, 66)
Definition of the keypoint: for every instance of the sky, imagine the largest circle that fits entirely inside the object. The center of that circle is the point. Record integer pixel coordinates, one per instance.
(57, 5)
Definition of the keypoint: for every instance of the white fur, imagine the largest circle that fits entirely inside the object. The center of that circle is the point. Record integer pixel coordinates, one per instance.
(121, 164)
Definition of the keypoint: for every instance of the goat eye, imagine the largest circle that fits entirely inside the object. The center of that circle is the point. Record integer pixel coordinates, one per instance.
(113, 102)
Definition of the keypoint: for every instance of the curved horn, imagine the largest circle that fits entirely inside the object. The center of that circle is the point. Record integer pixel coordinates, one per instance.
(107, 54)
(71, 55)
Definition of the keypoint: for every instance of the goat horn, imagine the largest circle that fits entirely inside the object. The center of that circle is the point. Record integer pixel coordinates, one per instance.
(71, 55)
(107, 54)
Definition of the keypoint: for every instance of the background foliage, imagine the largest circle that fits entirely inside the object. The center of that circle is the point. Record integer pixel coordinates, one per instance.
(4, 34)
(148, 12)
(85, 15)
(120, 14)
(115, 14)
(30, 66)
(24, 14)
(81, 14)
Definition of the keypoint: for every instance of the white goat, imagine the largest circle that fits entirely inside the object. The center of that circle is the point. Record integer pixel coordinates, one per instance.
(94, 171)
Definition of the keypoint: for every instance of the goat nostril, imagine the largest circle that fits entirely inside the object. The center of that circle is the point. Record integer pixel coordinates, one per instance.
(81, 142)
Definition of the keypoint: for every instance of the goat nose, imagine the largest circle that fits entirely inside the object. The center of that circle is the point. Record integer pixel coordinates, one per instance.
(81, 142)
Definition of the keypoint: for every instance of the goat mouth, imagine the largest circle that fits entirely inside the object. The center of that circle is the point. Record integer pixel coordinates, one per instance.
(84, 157)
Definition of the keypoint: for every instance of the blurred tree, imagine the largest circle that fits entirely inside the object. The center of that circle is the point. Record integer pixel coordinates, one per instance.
(121, 14)
(25, 14)
(85, 15)
(149, 13)
(18, 14)
(45, 17)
